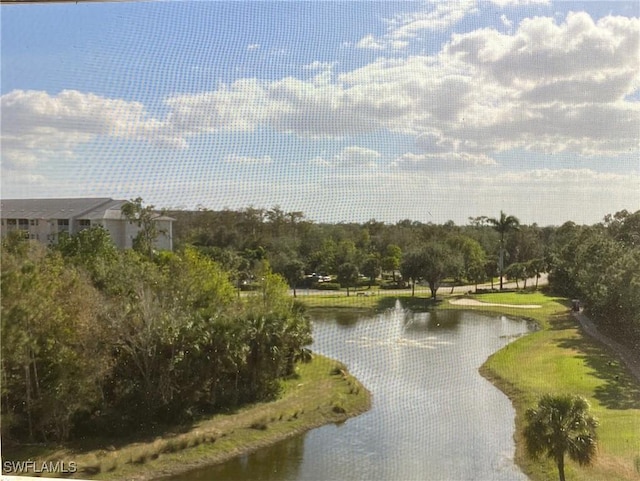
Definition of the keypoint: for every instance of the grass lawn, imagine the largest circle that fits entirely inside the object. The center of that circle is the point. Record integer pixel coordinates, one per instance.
(323, 392)
(559, 359)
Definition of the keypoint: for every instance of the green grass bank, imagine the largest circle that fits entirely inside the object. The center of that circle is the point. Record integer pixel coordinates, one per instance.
(323, 392)
(560, 359)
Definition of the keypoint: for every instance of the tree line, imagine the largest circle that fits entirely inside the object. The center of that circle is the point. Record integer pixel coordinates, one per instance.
(599, 264)
(363, 254)
(95, 339)
(98, 340)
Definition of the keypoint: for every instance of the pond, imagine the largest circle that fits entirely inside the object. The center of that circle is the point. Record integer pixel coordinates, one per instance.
(433, 416)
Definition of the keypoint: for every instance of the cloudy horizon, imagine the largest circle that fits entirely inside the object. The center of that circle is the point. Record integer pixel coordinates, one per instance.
(346, 111)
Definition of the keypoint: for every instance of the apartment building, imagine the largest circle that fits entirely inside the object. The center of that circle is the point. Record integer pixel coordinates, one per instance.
(45, 220)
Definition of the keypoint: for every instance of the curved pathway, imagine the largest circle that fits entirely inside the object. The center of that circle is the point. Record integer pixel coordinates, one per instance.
(627, 355)
(474, 302)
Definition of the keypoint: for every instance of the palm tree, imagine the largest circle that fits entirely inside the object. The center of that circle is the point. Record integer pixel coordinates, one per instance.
(561, 425)
(503, 225)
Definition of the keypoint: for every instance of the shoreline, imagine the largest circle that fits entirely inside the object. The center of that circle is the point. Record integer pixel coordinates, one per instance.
(323, 393)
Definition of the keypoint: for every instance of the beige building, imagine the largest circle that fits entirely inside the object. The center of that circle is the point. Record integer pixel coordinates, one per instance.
(45, 219)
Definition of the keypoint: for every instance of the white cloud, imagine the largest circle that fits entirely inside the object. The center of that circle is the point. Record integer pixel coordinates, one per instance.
(357, 156)
(549, 87)
(244, 159)
(445, 161)
(439, 16)
(436, 16)
(370, 42)
(518, 3)
(505, 21)
(37, 125)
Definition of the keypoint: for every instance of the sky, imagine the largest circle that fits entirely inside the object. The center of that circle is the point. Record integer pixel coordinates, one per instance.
(346, 111)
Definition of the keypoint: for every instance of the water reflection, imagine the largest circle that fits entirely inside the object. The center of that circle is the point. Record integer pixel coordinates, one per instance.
(280, 461)
(433, 415)
(431, 321)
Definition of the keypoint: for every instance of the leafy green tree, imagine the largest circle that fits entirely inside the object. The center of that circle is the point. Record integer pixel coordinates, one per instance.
(92, 249)
(53, 350)
(371, 268)
(294, 273)
(535, 268)
(503, 225)
(473, 256)
(348, 275)
(392, 259)
(517, 271)
(412, 268)
(438, 261)
(559, 426)
(145, 217)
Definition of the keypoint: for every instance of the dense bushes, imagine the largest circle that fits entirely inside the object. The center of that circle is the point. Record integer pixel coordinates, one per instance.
(104, 340)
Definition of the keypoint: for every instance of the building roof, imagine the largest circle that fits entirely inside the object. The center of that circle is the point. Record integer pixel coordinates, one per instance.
(79, 208)
(49, 208)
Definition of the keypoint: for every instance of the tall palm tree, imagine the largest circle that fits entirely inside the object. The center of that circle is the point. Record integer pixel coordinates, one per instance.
(561, 425)
(503, 225)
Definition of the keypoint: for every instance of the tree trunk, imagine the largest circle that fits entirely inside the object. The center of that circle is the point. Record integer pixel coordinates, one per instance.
(27, 378)
(294, 292)
(413, 289)
(561, 468)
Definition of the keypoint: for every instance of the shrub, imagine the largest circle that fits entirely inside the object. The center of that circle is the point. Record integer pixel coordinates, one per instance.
(329, 286)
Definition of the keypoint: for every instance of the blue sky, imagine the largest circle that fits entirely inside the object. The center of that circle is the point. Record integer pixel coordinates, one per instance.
(345, 110)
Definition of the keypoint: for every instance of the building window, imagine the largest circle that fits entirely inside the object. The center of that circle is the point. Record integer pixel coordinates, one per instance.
(63, 225)
(83, 224)
(33, 222)
(23, 224)
(12, 224)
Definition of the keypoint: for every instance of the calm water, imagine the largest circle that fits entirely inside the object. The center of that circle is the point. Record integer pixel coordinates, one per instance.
(433, 417)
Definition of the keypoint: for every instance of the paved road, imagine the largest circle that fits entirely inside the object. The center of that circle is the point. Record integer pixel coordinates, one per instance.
(424, 290)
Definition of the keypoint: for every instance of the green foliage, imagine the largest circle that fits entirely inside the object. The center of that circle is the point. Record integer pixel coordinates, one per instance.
(145, 217)
(107, 340)
(432, 263)
(601, 266)
(503, 225)
(561, 425)
(348, 275)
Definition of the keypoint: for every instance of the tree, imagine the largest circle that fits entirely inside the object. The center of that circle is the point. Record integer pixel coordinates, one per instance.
(432, 263)
(503, 225)
(146, 219)
(412, 268)
(517, 271)
(536, 267)
(294, 273)
(371, 268)
(438, 262)
(347, 275)
(391, 261)
(473, 256)
(561, 425)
